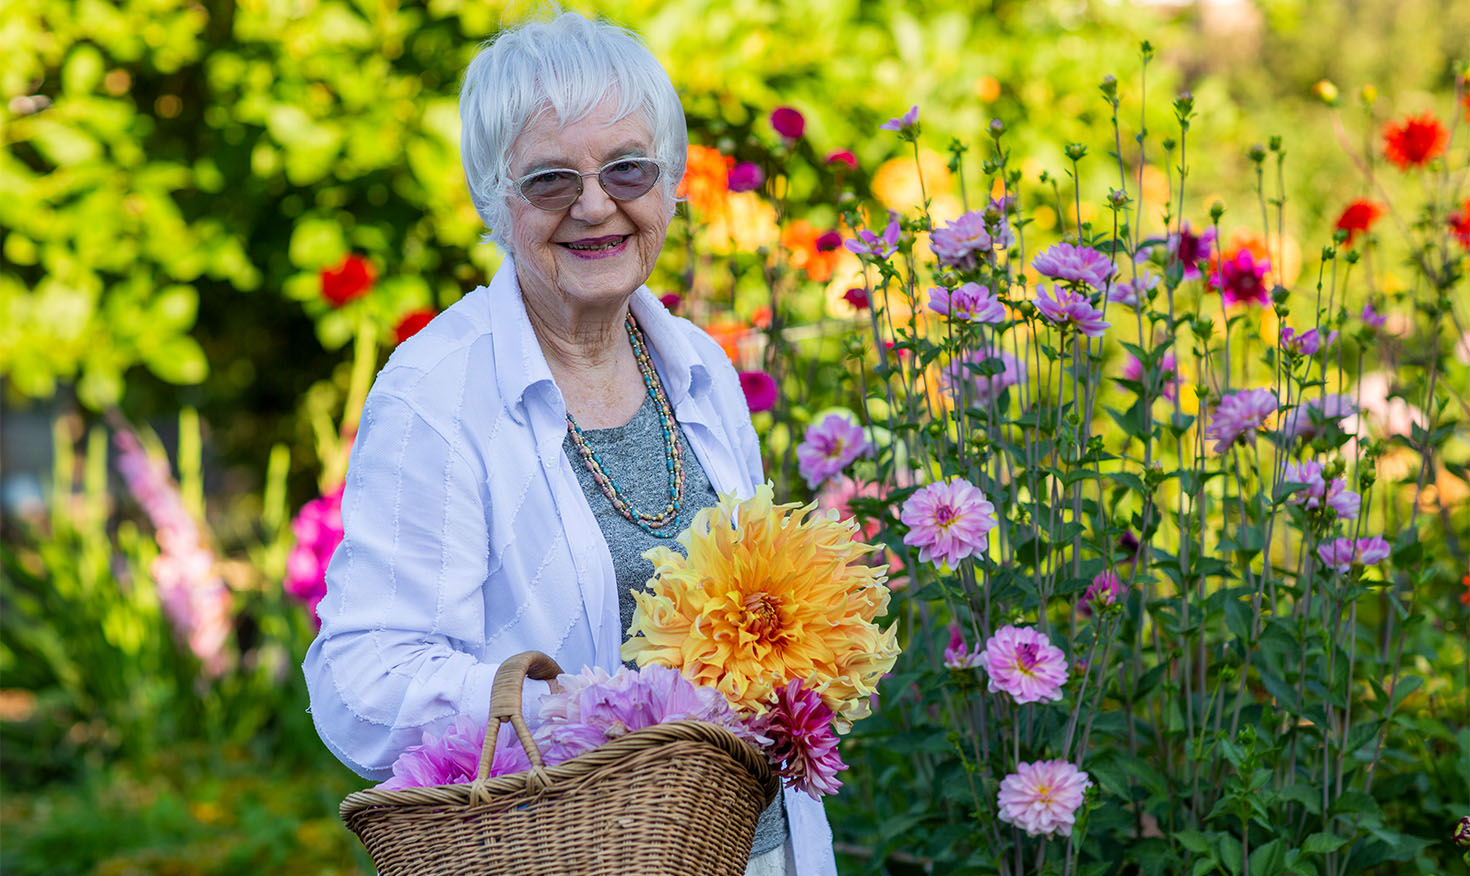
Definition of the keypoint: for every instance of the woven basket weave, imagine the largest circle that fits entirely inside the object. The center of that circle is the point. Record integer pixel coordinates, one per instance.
(670, 800)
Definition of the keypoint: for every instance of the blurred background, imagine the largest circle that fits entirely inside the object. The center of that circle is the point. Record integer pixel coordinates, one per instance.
(218, 217)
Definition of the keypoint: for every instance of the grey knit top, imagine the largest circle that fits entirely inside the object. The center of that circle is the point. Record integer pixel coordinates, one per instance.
(632, 455)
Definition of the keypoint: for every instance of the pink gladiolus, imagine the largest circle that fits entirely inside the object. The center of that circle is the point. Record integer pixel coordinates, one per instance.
(971, 302)
(194, 598)
(1070, 308)
(1075, 264)
(871, 244)
(948, 521)
(906, 122)
(1239, 416)
(829, 447)
(788, 122)
(1042, 798)
(318, 530)
(959, 655)
(746, 177)
(1106, 588)
(760, 390)
(1025, 664)
(800, 726)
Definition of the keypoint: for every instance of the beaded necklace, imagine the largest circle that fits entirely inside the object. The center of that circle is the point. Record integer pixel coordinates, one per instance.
(649, 523)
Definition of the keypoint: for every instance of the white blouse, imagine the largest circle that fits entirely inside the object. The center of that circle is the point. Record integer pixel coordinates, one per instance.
(468, 537)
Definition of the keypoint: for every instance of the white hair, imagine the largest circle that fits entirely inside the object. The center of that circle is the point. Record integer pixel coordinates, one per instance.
(569, 65)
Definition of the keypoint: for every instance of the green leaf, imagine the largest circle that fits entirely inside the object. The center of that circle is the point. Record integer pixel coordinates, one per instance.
(1229, 850)
(1308, 796)
(1194, 841)
(317, 243)
(1268, 859)
(1318, 843)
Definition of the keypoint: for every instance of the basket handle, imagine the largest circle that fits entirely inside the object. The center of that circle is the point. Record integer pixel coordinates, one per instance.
(505, 703)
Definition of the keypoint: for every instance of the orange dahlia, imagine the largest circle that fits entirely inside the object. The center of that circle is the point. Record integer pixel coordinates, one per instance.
(706, 178)
(768, 593)
(1415, 141)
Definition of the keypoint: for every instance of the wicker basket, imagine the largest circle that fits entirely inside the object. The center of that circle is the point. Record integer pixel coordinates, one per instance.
(670, 800)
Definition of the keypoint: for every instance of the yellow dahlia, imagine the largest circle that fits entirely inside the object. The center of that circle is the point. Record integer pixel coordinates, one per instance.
(768, 593)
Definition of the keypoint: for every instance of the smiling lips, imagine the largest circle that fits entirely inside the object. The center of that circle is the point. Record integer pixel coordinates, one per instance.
(597, 247)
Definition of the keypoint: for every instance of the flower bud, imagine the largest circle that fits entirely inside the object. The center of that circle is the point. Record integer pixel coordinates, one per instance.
(1351, 257)
(997, 127)
(1027, 309)
(1369, 95)
(1256, 153)
(1109, 86)
(1274, 143)
(1169, 143)
(1325, 91)
(1075, 151)
(1118, 198)
(1461, 835)
(1217, 210)
(1279, 294)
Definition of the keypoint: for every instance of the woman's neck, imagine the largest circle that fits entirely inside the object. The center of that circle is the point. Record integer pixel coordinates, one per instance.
(591, 361)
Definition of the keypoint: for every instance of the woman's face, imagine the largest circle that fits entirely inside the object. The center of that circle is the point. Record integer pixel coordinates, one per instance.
(598, 250)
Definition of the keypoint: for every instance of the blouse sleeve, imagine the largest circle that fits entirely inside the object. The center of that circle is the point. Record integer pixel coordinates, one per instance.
(403, 618)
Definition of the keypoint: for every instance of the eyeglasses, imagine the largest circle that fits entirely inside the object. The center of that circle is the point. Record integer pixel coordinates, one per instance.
(559, 188)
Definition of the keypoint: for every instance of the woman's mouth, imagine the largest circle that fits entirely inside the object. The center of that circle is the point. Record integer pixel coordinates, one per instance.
(598, 247)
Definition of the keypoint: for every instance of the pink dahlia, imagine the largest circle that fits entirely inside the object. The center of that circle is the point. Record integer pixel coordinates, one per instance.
(1305, 344)
(1188, 249)
(1106, 588)
(970, 301)
(966, 385)
(1242, 279)
(745, 177)
(948, 521)
(760, 390)
(1134, 293)
(960, 655)
(318, 530)
(788, 122)
(1042, 798)
(803, 742)
(1319, 492)
(1072, 308)
(1342, 553)
(454, 757)
(1133, 370)
(871, 244)
(1307, 419)
(858, 298)
(963, 242)
(1075, 264)
(1024, 664)
(829, 447)
(1239, 416)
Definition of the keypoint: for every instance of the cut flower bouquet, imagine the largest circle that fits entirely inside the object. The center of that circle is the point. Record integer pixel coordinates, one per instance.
(765, 626)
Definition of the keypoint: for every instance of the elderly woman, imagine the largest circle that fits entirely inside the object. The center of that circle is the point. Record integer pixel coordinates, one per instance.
(518, 455)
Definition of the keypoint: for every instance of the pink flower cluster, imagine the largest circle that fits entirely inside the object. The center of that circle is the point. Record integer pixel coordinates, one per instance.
(1025, 664)
(803, 742)
(1074, 265)
(1042, 798)
(1342, 553)
(948, 521)
(1320, 493)
(1106, 589)
(971, 301)
(194, 598)
(829, 447)
(1070, 308)
(1239, 416)
(318, 530)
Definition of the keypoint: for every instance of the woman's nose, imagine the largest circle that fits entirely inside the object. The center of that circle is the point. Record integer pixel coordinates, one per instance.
(593, 206)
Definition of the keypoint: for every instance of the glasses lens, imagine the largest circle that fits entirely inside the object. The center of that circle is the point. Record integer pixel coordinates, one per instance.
(628, 179)
(552, 189)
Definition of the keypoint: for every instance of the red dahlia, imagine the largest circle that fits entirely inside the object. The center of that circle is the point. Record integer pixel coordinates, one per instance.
(1414, 141)
(411, 323)
(1358, 217)
(347, 281)
(1460, 224)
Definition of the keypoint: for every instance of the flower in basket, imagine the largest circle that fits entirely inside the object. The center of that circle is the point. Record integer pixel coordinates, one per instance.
(768, 593)
(454, 757)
